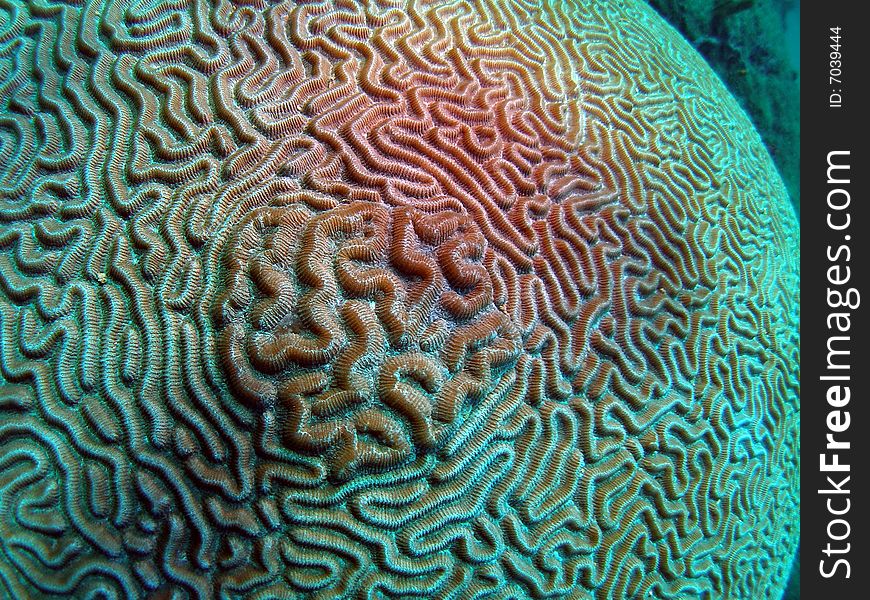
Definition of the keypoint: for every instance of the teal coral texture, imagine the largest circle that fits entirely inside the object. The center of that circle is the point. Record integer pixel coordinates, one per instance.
(388, 299)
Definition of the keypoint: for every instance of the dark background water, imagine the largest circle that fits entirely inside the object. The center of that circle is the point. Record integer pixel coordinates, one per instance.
(793, 35)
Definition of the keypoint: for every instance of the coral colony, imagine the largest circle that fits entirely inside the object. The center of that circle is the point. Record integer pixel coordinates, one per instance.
(388, 300)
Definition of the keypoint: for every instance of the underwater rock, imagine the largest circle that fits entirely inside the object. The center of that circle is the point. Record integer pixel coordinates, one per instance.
(388, 300)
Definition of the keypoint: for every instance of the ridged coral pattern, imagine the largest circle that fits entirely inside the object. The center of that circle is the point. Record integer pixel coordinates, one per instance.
(387, 299)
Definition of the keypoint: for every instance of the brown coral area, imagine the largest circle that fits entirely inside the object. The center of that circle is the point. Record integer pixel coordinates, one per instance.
(368, 329)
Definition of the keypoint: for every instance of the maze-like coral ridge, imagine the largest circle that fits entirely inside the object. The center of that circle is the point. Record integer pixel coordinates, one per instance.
(387, 300)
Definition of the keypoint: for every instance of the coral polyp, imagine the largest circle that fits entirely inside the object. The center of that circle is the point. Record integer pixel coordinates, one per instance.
(386, 299)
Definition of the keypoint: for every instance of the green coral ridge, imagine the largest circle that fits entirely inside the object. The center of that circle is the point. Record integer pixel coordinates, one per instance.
(752, 47)
(381, 299)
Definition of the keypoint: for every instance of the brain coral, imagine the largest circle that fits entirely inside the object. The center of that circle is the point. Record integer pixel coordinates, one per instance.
(387, 299)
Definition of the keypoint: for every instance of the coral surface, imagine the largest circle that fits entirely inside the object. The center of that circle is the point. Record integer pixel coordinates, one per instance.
(388, 300)
(755, 48)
